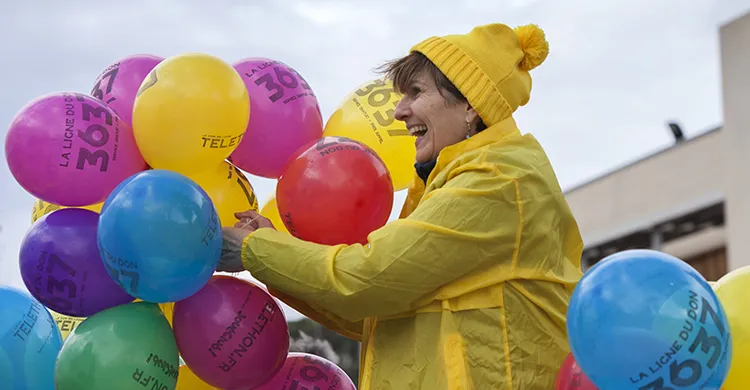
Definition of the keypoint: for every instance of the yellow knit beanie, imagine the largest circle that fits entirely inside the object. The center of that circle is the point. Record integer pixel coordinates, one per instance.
(490, 65)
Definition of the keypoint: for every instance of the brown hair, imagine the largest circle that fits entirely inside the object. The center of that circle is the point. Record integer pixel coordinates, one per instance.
(404, 70)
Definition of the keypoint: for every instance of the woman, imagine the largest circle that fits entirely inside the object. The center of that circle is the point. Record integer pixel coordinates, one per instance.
(469, 288)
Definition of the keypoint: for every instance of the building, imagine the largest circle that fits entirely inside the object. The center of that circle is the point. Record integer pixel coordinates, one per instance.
(691, 200)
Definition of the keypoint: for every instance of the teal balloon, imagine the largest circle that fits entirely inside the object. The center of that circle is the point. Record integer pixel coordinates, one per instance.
(29, 342)
(127, 347)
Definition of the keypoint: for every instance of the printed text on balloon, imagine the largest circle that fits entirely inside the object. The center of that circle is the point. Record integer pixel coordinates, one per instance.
(275, 81)
(109, 74)
(245, 344)
(119, 268)
(95, 135)
(334, 145)
(688, 372)
(215, 142)
(245, 185)
(211, 228)
(311, 372)
(68, 324)
(168, 369)
(66, 288)
(28, 321)
(377, 98)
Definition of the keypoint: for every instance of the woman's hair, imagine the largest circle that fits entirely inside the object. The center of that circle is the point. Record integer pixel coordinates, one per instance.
(404, 70)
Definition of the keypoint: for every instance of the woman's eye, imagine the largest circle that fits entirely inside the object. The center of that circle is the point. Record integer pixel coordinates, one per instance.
(414, 91)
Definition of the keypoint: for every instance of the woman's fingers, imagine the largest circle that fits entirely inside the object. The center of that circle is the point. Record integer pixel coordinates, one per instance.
(250, 214)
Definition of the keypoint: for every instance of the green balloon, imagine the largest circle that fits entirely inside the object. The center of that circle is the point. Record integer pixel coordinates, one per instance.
(125, 347)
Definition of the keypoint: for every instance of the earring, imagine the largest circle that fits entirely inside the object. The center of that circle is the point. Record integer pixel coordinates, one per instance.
(468, 129)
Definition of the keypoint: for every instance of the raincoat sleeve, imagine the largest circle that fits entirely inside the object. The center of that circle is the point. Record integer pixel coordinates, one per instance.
(352, 330)
(471, 221)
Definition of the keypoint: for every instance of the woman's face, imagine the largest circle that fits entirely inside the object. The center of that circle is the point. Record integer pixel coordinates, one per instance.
(433, 120)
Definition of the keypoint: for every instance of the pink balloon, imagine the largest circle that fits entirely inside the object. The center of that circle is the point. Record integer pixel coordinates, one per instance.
(304, 371)
(231, 333)
(70, 149)
(284, 116)
(118, 84)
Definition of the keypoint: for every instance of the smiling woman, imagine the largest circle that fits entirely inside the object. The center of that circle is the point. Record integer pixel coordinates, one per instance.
(430, 96)
(470, 287)
(433, 109)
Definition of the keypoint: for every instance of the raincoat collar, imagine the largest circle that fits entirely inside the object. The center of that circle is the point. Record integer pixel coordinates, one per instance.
(499, 131)
(492, 134)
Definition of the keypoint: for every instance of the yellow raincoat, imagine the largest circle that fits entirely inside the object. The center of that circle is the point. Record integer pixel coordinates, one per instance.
(468, 290)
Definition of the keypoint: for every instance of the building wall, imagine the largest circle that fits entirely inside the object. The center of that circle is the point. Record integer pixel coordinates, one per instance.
(735, 68)
(663, 186)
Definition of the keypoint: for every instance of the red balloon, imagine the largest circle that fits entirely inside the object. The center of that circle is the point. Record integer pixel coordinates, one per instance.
(570, 376)
(307, 371)
(337, 191)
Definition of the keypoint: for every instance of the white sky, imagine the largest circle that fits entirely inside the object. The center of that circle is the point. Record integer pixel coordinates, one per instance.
(618, 70)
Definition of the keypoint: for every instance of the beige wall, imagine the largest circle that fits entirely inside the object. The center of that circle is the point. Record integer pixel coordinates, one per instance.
(662, 186)
(735, 68)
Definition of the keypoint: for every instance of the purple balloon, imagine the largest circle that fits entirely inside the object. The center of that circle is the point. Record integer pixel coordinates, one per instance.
(118, 84)
(232, 333)
(70, 149)
(284, 116)
(308, 371)
(62, 268)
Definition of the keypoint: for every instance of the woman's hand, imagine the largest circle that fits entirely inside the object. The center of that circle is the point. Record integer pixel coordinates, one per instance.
(233, 237)
(252, 221)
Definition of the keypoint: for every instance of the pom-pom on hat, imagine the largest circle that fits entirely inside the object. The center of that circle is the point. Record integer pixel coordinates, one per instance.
(490, 65)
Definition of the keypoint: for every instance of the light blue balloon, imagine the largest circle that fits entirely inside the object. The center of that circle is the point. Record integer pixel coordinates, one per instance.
(159, 236)
(642, 319)
(29, 342)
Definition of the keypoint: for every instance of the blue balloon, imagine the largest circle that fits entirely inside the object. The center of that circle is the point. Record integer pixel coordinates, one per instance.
(642, 319)
(159, 236)
(29, 342)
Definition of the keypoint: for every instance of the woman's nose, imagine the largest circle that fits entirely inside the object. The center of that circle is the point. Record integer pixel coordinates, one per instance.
(402, 109)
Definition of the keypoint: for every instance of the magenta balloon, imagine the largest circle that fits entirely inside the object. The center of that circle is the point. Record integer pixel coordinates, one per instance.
(70, 149)
(284, 116)
(118, 84)
(307, 371)
(62, 268)
(232, 334)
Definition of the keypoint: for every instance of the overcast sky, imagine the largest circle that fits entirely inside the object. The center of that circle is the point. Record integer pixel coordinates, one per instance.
(618, 70)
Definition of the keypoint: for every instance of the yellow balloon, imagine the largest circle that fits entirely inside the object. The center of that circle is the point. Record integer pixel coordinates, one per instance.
(168, 310)
(733, 290)
(367, 115)
(187, 380)
(66, 324)
(229, 190)
(271, 211)
(190, 112)
(42, 208)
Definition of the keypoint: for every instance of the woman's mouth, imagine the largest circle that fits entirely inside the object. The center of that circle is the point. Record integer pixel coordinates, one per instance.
(418, 130)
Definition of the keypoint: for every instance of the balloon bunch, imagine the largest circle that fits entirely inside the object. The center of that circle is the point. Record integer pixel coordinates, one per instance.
(642, 319)
(134, 182)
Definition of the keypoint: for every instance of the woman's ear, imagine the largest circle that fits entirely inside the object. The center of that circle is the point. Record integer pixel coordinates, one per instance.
(471, 115)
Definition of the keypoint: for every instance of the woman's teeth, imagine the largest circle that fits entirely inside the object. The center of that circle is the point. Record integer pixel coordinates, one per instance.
(418, 131)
